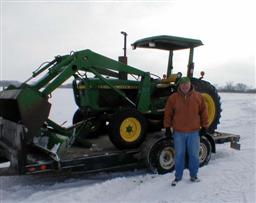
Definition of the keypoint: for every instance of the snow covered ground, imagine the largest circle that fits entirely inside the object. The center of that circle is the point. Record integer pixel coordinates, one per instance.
(230, 176)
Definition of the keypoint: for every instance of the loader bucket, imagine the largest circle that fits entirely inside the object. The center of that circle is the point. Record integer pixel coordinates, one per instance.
(25, 106)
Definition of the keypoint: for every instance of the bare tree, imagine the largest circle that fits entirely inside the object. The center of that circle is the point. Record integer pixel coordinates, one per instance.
(241, 87)
(229, 86)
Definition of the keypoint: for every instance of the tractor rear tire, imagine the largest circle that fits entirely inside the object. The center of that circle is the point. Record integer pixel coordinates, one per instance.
(212, 100)
(127, 129)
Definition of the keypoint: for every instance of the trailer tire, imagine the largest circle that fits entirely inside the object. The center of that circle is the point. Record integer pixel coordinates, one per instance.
(205, 151)
(159, 155)
(127, 129)
(212, 101)
(162, 156)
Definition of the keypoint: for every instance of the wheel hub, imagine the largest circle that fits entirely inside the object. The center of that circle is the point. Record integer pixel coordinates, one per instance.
(166, 158)
(130, 129)
(202, 153)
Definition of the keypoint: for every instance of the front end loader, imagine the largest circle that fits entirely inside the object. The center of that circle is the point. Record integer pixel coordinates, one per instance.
(24, 110)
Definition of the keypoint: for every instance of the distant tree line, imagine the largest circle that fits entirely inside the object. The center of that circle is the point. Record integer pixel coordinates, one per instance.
(237, 87)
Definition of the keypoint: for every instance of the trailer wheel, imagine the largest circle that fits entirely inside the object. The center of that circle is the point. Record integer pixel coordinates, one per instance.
(127, 129)
(159, 155)
(162, 156)
(212, 101)
(205, 151)
(92, 127)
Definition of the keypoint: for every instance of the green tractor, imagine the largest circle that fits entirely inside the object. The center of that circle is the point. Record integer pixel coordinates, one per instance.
(119, 106)
(129, 103)
(112, 97)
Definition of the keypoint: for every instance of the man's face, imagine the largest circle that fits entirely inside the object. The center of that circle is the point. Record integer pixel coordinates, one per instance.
(185, 87)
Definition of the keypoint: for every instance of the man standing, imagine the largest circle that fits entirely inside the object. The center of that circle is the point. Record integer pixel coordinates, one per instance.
(186, 113)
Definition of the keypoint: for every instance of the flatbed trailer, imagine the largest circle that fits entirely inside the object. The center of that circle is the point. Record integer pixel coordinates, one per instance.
(156, 154)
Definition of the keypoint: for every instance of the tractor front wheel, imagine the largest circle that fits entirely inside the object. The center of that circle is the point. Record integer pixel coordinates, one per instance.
(92, 127)
(127, 129)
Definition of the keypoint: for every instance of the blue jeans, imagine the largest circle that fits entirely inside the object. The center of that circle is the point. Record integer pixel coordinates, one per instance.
(189, 141)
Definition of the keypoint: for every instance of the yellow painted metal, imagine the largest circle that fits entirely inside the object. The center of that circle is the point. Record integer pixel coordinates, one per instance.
(171, 79)
(210, 106)
(130, 129)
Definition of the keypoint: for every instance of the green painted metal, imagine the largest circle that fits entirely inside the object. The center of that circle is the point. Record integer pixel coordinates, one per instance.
(88, 59)
(144, 94)
(167, 42)
(53, 71)
(170, 43)
(60, 79)
(112, 86)
(96, 83)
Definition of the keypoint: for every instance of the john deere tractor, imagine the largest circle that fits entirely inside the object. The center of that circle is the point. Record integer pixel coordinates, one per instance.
(129, 103)
(118, 108)
(113, 98)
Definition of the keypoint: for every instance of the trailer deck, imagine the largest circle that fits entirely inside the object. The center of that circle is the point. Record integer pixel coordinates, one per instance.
(221, 137)
(101, 156)
(100, 145)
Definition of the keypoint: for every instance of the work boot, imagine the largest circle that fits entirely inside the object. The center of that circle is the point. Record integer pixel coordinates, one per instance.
(194, 179)
(174, 182)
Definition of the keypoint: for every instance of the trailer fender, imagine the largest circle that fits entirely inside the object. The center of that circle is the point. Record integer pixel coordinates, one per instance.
(211, 140)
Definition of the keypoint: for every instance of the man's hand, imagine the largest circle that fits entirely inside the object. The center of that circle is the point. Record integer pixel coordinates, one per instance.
(202, 131)
(168, 132)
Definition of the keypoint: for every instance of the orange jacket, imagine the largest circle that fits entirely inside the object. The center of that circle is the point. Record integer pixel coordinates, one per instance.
(185, 113)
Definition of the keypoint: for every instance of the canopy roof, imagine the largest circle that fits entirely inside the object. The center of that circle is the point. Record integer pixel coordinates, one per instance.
(167, 42)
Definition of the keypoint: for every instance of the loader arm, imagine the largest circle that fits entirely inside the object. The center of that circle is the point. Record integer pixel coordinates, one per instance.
(28, 104)
(64, 67)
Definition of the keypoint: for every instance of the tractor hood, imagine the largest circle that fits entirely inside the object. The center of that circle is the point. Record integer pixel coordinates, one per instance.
(167, 42)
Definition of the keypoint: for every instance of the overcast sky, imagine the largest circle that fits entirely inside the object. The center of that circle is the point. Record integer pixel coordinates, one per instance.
(33, 32)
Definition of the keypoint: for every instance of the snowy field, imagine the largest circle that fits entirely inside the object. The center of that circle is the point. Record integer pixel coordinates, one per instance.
(230, 176)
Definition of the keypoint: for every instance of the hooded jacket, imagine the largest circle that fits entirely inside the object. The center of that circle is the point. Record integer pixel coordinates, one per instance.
(185, 113)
